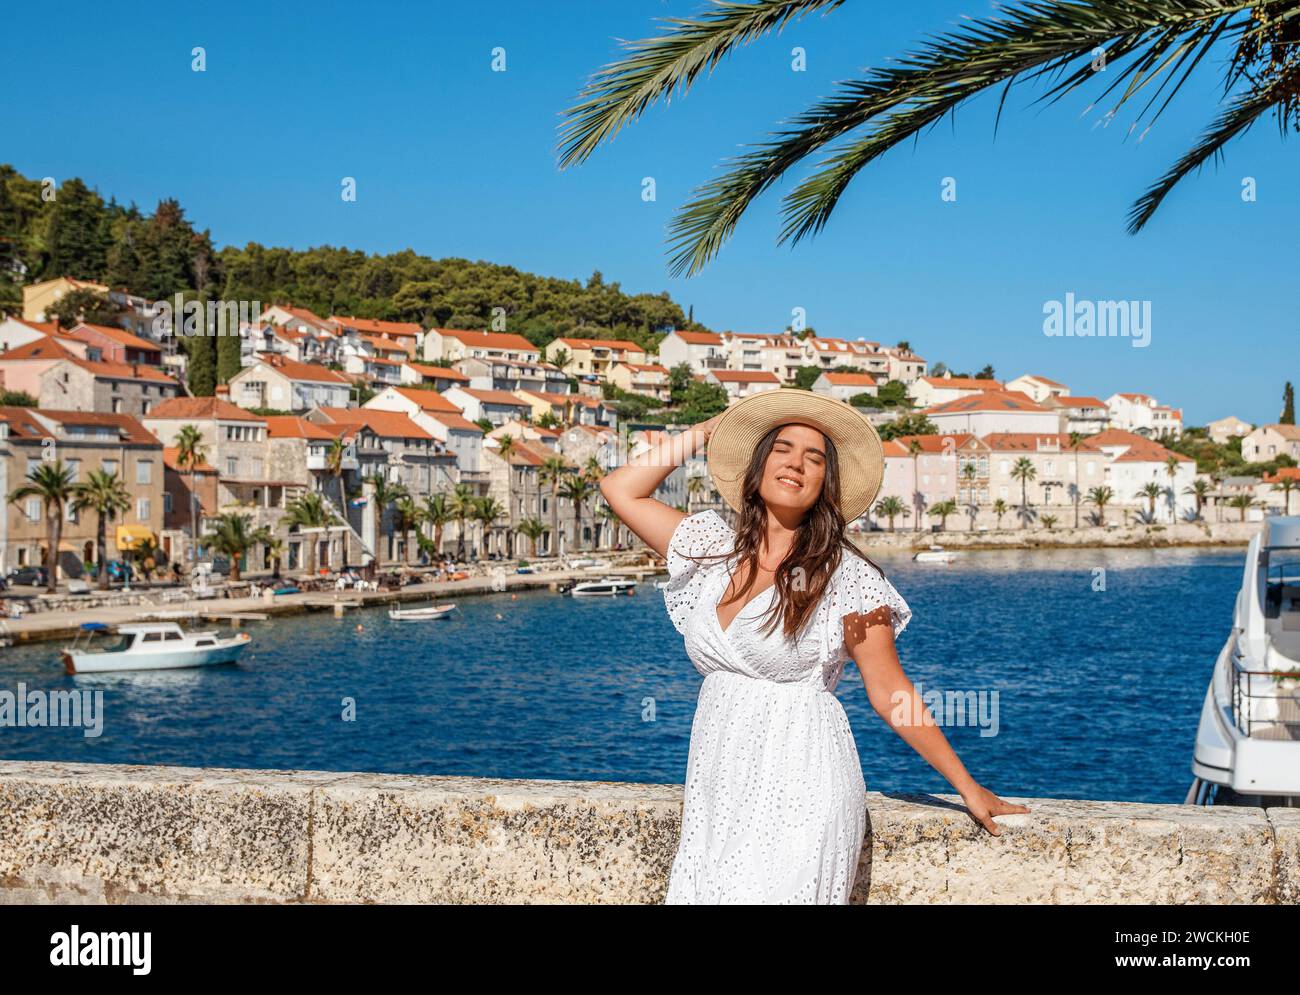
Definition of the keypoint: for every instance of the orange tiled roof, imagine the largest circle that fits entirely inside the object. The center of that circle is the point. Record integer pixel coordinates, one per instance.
(989, 400)
(200, 408)
(386, 424)
(487, 340)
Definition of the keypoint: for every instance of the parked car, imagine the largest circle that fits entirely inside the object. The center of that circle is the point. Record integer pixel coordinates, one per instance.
(30, 576)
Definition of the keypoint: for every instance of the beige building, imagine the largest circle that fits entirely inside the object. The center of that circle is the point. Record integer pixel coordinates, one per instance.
(845, 386)
(928, 392)
(701, 351)
(742, 383)
(594, 357)
(85, 442)
(279, 384)
(1038, 388)
(649, 379)
(1268, 442)
(61, 380)
(454, 343)
(994, 411)
(1231, 427)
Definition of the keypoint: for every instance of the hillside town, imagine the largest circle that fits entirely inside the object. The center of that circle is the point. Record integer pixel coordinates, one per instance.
(351, 441)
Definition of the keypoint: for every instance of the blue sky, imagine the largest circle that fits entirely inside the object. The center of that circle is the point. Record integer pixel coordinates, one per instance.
(453, 159)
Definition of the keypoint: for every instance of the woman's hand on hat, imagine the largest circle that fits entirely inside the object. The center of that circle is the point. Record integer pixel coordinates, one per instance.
(706, 427)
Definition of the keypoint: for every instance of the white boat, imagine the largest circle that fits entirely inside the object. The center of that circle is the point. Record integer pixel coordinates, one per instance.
(603, 586)
(1248, 740)
(936, 554)
(420, 614)
(153, 646)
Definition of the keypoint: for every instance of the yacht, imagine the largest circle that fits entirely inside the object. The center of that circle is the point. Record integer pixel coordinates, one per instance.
(151, 646)
(935, 554)
(1248, 741)
(603, 586)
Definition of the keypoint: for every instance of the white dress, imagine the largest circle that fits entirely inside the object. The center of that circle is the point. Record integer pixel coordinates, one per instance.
(775, 803)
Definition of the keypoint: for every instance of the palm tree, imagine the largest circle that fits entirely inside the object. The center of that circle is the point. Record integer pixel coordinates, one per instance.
(943, 509)
(1076, 439)
(274, 554)
(488, 510)
(1151, 490)
(190, 454)
(1060, 42)
(577, 488)
(1050, 522)
(437, 512)
(1200, 490)
(968, 473)
(1101, 496)
(1000, 508)
(918, 499)
(384, 492)
(1023, 470)
(309, 512)
(531, 529)
(695, 486)
(234, 536)
(1242, 502)
(890, 508)
(407, 517)
(1171, 470)
(334, 468)
(51, 481)
(506, 446)
(463, 505)
(104, 494)
(551, 472)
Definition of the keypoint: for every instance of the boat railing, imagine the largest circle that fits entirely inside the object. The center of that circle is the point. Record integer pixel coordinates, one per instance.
(1263, 706)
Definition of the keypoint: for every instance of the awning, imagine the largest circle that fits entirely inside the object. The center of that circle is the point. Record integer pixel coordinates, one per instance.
(131, 536)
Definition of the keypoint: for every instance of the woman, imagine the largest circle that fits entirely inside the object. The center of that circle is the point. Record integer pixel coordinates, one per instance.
(775, 801)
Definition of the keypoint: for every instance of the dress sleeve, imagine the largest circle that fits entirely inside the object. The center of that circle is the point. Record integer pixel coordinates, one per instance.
(862, 589)
(695, 535)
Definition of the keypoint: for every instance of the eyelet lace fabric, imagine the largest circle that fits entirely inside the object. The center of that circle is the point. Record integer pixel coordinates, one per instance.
(775, 802)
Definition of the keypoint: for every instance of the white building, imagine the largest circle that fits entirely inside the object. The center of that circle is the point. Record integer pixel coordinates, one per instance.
(1038, 388)
(701, 351)
(1268, 442)
(1085, 415)
(929, 392)
(994, 411)
(1141, 413)
(454, 343)
(1231, 427)
(845, 386)
(742, 383)
(281, 384)
(1135, 462)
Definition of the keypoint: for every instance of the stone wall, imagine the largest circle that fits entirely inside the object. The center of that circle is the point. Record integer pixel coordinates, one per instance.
(90, 833)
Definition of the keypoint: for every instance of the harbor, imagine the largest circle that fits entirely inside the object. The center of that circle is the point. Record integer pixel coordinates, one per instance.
(1067, 655)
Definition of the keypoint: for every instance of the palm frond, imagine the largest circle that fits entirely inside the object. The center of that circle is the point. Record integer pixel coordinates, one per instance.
(657, 67)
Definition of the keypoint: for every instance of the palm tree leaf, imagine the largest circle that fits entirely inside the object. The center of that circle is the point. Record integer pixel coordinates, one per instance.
(1243, 111)
(656, 67)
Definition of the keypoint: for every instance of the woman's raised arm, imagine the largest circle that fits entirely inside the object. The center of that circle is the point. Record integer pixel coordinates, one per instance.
(628, 488)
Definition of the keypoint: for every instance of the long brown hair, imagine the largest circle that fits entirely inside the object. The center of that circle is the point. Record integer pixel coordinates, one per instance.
(804, 574)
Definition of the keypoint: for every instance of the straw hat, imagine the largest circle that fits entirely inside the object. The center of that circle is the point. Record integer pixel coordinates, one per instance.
(743, 425)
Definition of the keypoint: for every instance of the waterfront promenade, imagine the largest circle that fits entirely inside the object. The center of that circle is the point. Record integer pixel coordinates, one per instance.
(116, 834)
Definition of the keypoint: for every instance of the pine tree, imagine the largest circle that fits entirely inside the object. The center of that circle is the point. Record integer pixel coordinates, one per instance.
(1288, 405)
(201, 367)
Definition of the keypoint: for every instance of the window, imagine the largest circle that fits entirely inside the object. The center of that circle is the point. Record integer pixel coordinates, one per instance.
(167, 504)
(32, 463)
(232, 466)
(1002, 468)
(144, 471)
(75, 466)
(109, 466)
(34, 509)
(142, 509)
(145, 406)
(69, 513)
(117, 406)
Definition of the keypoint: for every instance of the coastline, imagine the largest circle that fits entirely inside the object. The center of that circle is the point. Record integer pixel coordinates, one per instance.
(1215, 534)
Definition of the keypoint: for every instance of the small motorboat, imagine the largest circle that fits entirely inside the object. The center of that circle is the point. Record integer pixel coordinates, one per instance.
(603, 586)
(1247, 749)
(151, 646)
(420, 614)
(936, 554)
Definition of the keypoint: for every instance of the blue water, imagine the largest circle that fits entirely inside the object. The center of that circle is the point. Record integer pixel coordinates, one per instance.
(1098, 692)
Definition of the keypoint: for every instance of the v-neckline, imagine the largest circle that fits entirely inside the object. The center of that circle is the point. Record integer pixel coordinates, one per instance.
(730, 625)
